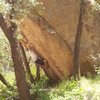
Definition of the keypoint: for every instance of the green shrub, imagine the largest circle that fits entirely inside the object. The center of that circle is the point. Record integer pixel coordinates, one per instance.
(84, 89)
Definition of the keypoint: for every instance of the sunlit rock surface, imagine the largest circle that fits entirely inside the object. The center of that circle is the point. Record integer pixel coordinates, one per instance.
(52, 36)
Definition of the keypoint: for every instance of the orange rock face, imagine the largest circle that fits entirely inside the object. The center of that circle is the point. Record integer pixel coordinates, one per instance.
(52, 36)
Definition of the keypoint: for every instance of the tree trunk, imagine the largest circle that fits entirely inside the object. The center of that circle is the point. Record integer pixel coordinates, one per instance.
(3, 80)
(27, 64)
(76, 59)
(17, 59)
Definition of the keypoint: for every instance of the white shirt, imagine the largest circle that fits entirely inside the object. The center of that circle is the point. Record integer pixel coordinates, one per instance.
(33, 55)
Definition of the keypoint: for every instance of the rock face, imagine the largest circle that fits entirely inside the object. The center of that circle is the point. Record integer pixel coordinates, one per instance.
(46, 42)
(52, 36)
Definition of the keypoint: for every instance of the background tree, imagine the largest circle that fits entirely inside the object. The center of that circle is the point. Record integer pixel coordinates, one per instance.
(76, 59)
(9, 29)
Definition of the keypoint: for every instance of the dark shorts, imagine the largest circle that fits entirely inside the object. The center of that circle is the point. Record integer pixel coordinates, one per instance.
(39, 61)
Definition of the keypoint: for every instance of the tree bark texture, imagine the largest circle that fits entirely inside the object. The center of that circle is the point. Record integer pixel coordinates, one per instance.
(26, 64)
(4, 81)
(76, 59)
(17, 59)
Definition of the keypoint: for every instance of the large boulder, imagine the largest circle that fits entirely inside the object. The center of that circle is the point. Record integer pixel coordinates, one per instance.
(52, 36)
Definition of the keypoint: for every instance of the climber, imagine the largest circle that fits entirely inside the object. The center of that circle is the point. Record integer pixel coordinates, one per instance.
(38, 62)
